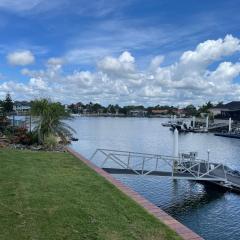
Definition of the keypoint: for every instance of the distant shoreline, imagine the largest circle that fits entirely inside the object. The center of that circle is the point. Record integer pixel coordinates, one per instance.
(119, 116)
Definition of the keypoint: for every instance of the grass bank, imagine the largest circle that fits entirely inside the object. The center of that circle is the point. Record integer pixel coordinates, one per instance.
(54, 196)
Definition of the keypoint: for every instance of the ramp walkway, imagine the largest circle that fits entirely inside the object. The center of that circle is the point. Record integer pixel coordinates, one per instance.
(186, 166)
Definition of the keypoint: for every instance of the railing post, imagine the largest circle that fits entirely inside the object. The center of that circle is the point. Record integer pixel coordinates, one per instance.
(199, 168)
(208, 152)
(156, 163)
(105, 160)
(225, 174)
(91, 158)
(128, 161)
(143, 162)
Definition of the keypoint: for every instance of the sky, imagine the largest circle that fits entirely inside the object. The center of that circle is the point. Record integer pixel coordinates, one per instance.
(144, 52)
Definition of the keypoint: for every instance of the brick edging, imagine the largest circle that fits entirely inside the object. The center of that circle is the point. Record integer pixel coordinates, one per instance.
(172, 223)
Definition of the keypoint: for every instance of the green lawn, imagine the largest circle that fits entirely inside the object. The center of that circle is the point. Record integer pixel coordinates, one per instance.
(55, 196)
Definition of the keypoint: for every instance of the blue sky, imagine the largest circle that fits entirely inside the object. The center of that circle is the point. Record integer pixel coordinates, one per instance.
(54, 48)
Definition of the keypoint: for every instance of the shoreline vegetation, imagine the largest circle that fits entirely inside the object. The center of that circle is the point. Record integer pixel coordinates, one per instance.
(47, 129)
(49, 195)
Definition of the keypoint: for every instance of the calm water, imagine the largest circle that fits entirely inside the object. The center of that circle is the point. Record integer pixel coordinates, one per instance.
(211, 213)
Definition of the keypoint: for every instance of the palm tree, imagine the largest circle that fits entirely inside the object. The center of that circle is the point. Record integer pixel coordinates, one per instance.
(49, 119)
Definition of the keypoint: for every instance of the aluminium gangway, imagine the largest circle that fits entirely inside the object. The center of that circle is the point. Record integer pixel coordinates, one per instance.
(185, 166)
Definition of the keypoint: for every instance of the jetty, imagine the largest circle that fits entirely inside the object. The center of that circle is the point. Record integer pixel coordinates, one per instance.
(203, 126)
(178, 166)
(233, 131)
(229, 135)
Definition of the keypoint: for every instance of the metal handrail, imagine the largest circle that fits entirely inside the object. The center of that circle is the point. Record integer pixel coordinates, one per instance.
(171, 161)
(140, 153)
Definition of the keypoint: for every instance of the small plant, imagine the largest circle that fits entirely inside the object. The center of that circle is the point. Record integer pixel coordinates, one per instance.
(50, 141)
(20, 135)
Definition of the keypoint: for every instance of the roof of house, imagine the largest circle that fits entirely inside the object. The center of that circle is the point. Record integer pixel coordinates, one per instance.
(159, 110)
(234, 105)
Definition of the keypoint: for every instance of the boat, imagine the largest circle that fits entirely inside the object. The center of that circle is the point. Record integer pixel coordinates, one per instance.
(74, 139)
(180, 126)
(168, 124)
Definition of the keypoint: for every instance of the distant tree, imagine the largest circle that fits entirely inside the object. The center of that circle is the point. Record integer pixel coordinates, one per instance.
(125, 110)
(190, 110)
(149, 110)
(111, 109)
(89, 107)
(205, 107)
(171, 110)
(219, 104)
(209, 104)
(7, 104)
(72, 108)
(1, 105)
(96, 107)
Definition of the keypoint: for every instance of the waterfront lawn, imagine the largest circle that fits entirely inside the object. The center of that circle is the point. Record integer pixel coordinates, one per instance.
(46, 196)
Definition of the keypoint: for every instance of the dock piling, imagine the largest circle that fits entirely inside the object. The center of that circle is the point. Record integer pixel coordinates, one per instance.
(230, 125)
(207, 123)
(174, 118)
(175, 143)
(194, 122)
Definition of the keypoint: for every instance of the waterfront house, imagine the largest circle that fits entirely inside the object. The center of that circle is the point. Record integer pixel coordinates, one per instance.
(137, 113)
(21, 107)
(225, 111)
(159, 111)
(216, 111)
(232, 110)
(76, 108)
(180, 112)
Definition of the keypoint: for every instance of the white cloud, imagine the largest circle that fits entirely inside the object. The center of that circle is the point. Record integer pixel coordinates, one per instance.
(86, 55)
(38, 83)
(211, 50)
(156, 61)
(54, 61)
(21, 58)
(201, 74)
(123, 64)
(81, 79)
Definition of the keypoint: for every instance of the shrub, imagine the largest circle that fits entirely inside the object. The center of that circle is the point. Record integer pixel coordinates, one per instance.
(20, 135)
(50, 141)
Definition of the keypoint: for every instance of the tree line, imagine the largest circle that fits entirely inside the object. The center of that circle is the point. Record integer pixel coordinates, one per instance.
(6, 106)
(189, 110)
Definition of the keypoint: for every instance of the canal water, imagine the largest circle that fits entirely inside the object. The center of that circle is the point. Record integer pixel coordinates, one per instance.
(211, 213)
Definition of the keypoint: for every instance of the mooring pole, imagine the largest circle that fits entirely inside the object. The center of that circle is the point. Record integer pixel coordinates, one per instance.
(174, 118)
(194, 121)
(175, 143)
(230, 125)
(175, 149)
(207, 123)
(208, 153)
